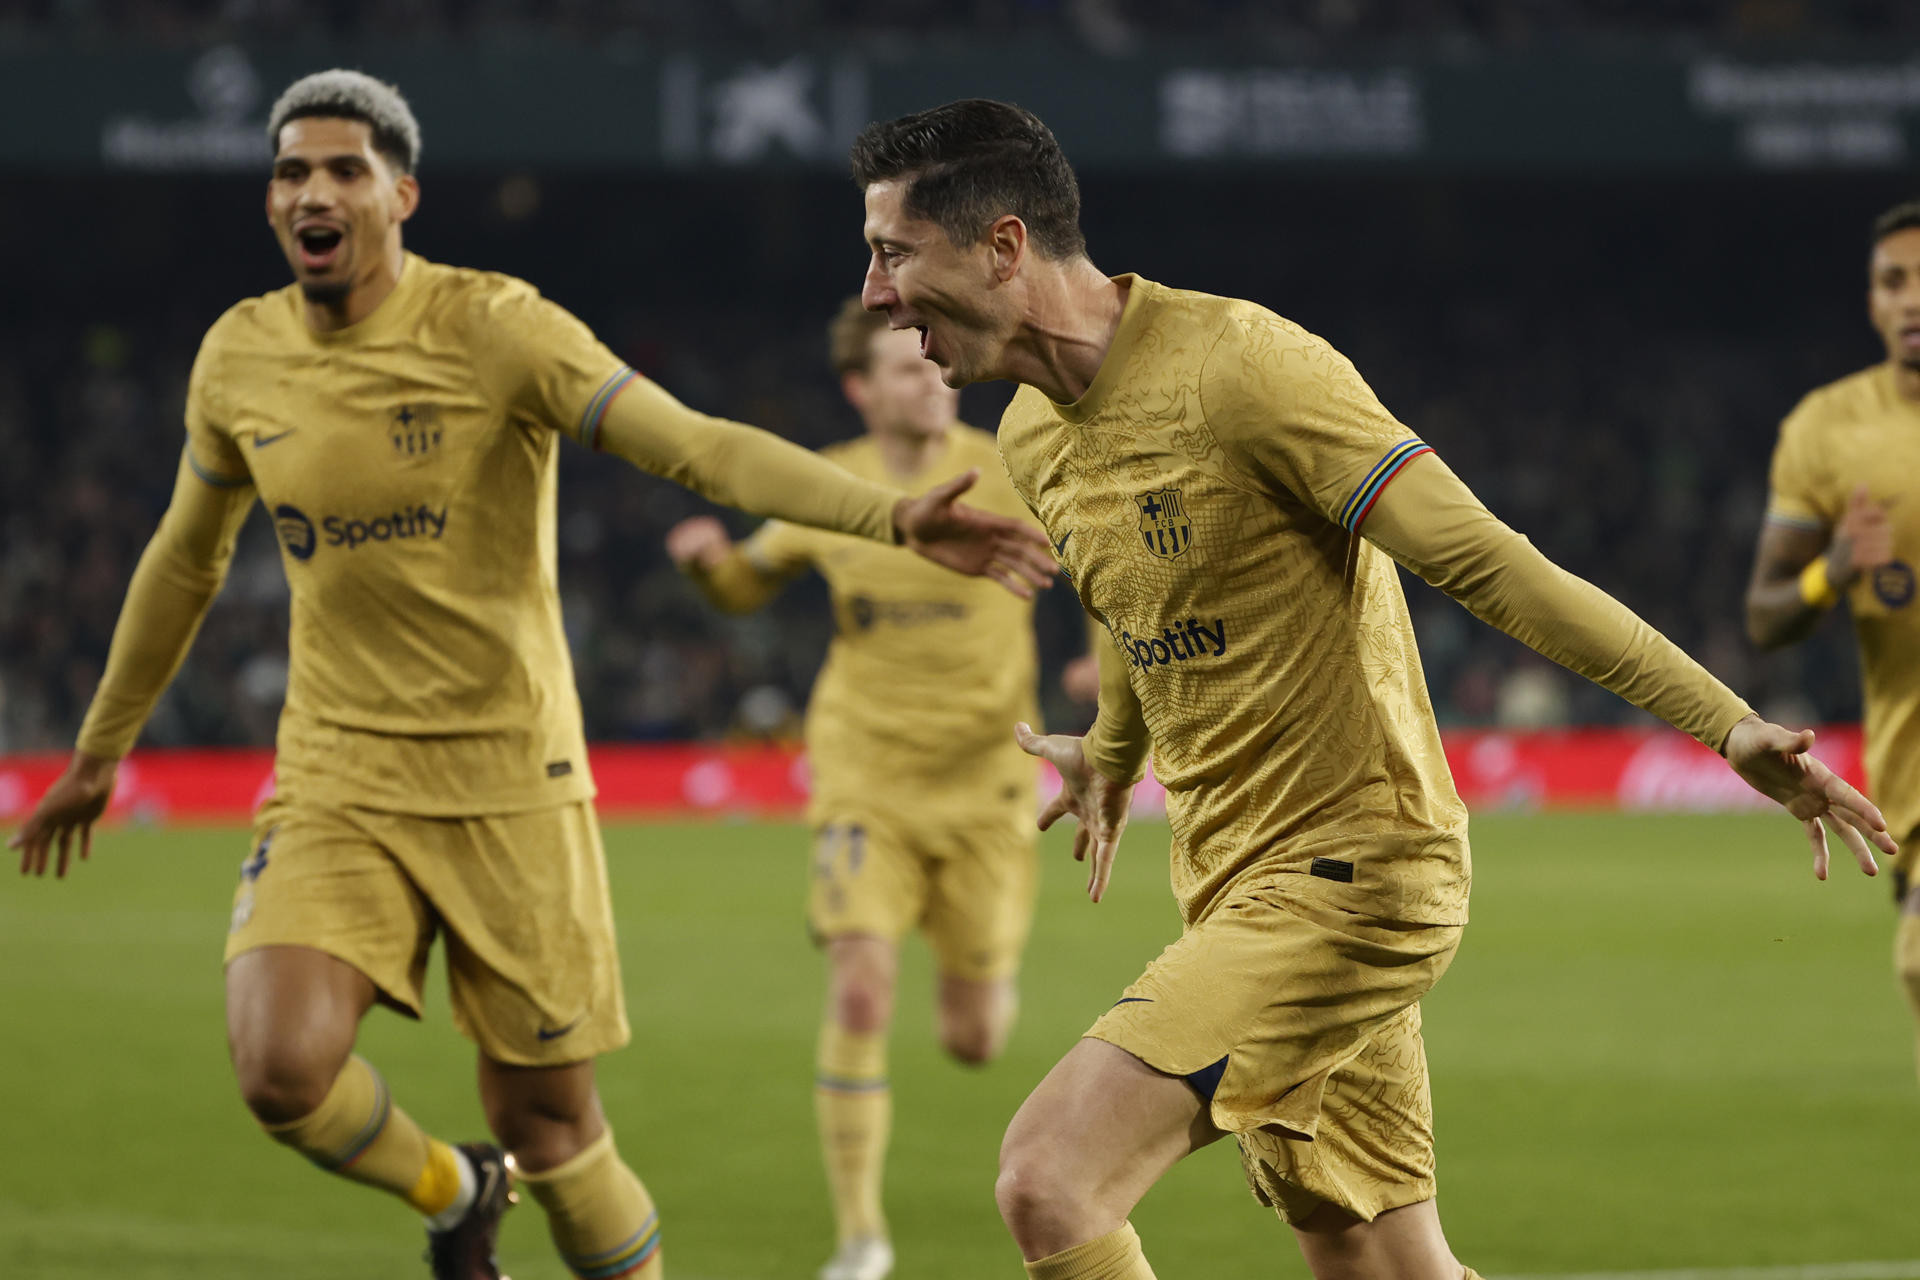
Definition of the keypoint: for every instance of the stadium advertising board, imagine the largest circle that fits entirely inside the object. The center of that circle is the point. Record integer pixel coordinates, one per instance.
(547, 105)
(1658, 771)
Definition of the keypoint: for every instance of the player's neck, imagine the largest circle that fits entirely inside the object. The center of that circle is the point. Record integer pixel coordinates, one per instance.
(1906, 381)
(906, 454)
(1072, 314)
(364, 298)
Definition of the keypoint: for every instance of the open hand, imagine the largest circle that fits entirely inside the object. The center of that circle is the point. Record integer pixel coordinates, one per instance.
(971, 541)
(1774, 762)
(70, 807)
(1096, 801)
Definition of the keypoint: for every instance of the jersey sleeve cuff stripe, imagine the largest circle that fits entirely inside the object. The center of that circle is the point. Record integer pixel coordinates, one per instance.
(214, 478)
(1384, 471)
(589, 433)
(1812, 523)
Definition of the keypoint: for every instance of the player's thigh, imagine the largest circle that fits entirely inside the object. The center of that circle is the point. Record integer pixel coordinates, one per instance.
(984, 878)
(1263, 1005)
(319, 880)
(1102, 1126)
(1371, 1149)
(533, 963)
(868, 875)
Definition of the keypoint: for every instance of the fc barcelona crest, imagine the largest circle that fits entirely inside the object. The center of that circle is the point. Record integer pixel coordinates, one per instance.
(415, 429)
(1164, 526)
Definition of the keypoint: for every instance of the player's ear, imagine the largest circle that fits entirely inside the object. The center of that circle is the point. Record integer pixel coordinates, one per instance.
(853, 386)
(1007, 241)
(407, 188)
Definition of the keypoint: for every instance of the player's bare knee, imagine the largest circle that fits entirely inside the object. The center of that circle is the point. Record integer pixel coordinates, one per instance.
(862, 1003)
(1038, 1196)
(971, 1037)
(281, 1083)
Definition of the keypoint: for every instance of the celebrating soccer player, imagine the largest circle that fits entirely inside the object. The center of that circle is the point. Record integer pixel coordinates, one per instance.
(1844, 506)
(922, 804)
(1229, 497)
(400, 421)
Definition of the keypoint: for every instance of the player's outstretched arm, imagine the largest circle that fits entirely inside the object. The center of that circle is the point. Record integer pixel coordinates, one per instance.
(758, 472)
(1431, 522)
(177, 578)
(701, 549)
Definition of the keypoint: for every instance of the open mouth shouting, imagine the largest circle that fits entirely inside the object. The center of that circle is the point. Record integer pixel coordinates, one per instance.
(319, 245)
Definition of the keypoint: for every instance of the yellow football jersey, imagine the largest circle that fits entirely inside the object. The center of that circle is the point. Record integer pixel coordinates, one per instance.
(1861, 430)
(409, 465)
(1203, 494)
(927, 671)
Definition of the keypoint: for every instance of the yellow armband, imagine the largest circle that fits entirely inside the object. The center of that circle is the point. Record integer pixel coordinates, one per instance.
(1816, 588)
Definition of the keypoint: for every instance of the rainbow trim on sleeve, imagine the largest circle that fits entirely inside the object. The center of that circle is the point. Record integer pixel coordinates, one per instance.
(629, 1255)
(1368, 492)
(214, 478)
(589, 432)
(1813, 524)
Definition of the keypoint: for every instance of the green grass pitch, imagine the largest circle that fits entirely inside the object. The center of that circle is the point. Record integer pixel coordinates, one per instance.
(1662, 1045)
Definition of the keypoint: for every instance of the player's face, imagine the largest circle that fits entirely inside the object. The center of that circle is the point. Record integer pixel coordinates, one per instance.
(335, 205)
(1893, 295)
(900, 393)
(923, 281)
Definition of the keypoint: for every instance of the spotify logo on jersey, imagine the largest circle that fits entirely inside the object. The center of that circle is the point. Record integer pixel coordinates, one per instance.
(295, 530)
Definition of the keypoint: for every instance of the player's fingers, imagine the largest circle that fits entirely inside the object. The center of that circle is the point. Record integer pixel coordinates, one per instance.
(1818, 837)
(1861, 838)
(86, 841)
(1103, 851)
(66, 848)
(1055, 809)
(1081, 839)
(1011, 580)
(1842, 794)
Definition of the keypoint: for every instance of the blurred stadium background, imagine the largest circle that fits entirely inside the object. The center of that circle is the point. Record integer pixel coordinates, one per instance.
(1592, 250)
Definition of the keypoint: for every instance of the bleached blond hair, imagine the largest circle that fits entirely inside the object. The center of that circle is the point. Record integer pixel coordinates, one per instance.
(352, 95)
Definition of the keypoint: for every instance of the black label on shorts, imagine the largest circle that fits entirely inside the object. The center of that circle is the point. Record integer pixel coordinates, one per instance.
(1332, 869)
(561, 768)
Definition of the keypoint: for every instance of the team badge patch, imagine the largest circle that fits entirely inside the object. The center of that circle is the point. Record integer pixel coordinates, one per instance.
(415, 429)
(1164, 526)
(1893, 584)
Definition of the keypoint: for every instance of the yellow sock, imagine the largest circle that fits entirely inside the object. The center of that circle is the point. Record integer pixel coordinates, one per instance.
(854, 1108)
(1471, 1275)
(601, 1217)
(358, 1133)
(1906, 963)
(1114, 1256)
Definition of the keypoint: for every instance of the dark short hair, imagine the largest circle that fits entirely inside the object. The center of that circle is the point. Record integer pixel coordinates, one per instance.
(352, 95)
(972, 161)
(1901, 217)
(850, 336)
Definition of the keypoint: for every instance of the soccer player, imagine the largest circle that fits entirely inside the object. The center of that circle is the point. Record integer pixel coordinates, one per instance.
(1230, 498)
(1843, 520)
(922, 804)
(400, 421)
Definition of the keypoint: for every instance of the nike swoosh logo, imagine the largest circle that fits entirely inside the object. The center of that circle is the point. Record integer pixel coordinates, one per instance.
(554, 1034)
(261, 442)
(1060, 547)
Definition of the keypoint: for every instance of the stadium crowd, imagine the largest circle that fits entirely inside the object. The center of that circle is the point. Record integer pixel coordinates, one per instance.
(1108, 25)
(1612, 394)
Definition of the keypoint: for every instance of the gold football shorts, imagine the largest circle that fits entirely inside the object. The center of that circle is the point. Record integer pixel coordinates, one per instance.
(1301, 1022)
(532, 967)
(968, 886)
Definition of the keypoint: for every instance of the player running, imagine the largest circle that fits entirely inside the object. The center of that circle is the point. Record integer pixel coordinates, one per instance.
(1230, 499)
(400, 421)
(922, 805)
(1843, 521)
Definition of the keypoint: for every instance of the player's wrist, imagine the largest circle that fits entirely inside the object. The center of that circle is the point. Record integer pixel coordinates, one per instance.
(1819, 588)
